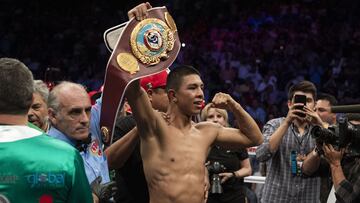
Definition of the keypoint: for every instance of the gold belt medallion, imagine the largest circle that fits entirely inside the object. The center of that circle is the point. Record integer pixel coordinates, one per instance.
(151, 40)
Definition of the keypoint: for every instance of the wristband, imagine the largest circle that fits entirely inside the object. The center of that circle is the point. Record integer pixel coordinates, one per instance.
(234, 174)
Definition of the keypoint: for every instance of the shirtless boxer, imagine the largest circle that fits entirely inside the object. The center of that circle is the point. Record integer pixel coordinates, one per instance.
(174, 150)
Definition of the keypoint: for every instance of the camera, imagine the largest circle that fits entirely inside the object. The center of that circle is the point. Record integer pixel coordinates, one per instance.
(341, 135)
(214, 169)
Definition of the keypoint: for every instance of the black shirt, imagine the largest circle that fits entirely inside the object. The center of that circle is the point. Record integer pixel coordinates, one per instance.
(130, 179)
(231, 160)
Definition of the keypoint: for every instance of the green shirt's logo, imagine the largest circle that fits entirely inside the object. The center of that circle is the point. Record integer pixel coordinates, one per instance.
(46, 179)
(8, 179)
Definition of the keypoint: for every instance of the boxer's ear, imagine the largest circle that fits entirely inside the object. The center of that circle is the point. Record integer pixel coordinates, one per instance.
(172, 95)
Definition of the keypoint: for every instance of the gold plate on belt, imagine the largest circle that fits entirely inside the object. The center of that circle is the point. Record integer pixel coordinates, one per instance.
(151, 40)
(170, 21)
(127, 62)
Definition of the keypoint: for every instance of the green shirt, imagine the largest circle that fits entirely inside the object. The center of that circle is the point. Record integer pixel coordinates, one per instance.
(34, 126)
(38, 168)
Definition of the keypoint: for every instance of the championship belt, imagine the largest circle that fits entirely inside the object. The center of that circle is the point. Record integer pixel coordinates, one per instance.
(139, 49)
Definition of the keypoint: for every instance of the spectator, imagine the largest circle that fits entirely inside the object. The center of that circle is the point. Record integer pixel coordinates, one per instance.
(256, 111)
(235, 161)
(38, 113)
(34, 167)
(312, 48)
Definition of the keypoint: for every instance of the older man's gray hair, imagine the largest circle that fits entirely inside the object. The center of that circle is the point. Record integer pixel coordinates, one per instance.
(41, 88)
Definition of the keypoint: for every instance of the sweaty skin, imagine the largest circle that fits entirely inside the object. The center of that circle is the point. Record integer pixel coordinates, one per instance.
(174, 167)
(174, 150)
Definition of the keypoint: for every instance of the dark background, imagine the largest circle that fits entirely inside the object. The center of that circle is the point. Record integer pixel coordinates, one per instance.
(253, 50)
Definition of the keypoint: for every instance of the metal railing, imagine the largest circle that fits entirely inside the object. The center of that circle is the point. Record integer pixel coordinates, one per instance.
(255, 179)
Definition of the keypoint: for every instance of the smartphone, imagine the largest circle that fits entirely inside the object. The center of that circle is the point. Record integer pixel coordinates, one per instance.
(300, 99)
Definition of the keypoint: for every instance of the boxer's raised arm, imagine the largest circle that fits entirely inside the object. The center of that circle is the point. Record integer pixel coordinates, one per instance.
(141, 108)
(248, 133)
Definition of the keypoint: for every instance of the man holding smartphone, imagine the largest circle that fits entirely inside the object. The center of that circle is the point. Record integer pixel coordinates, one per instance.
(287, 141)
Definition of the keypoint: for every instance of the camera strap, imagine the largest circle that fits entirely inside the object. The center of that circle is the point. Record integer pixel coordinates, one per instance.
(297, 155)
(300, 139)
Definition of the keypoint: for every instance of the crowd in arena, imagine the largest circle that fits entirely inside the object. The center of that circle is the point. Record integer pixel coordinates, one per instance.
(258, 54)
(254, 51)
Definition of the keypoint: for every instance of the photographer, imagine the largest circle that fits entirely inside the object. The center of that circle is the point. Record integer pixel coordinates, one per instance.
(230, 165)
(324, 118)
(287, 142)
(323, 104)
(345, 171)
(344, 163)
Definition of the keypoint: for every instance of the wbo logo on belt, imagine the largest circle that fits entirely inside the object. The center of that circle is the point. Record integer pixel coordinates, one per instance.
(150, 41)
(139, 49)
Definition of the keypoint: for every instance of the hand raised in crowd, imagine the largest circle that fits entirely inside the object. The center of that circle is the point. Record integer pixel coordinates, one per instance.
(294, 112)
(140, 12)
(313, 118)
(332, 155)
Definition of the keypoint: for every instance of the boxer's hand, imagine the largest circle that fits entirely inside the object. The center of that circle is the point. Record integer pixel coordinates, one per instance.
(140, 12)
(223, 101)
